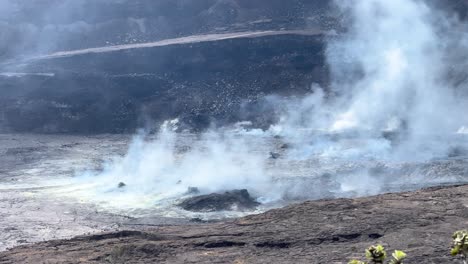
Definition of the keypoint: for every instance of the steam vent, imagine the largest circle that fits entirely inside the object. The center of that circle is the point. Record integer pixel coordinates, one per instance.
(233, 131)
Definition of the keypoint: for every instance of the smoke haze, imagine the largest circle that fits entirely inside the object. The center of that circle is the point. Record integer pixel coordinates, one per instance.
(391, 109)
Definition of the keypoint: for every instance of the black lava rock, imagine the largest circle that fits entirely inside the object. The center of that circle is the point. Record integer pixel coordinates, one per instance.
(228, 201)
(274, 155)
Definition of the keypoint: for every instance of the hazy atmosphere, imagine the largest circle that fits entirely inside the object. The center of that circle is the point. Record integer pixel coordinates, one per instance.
(122, 116)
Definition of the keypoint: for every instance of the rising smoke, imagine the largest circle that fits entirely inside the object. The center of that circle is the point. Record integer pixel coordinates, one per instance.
(389, 74)
(390, 100)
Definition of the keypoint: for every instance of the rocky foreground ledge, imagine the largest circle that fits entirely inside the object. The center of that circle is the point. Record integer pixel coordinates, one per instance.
(328, 231)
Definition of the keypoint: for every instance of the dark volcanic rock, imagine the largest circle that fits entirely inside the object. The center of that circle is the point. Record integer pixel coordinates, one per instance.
(219, 82)
(232, 200)
(201, 83)
(274, 155)
(330, 231)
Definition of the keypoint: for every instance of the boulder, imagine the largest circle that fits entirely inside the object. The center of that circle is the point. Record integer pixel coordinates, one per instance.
(228, 201)
(274, 155)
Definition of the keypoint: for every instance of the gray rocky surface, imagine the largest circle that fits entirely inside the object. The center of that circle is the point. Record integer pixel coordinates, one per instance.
(327, 231)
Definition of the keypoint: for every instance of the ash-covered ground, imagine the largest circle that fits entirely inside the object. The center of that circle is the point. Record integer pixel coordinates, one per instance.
(56, 186)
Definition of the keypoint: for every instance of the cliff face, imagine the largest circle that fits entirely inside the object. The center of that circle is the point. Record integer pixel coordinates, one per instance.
(45, 26)
(201, 82)
(220, 81)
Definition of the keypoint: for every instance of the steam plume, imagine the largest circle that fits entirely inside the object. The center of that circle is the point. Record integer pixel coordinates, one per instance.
(390, 100)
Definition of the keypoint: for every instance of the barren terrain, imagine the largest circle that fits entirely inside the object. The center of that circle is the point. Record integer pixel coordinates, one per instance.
(327, 231)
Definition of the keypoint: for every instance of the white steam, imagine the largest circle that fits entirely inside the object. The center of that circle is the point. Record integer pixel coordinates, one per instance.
(396, 46)
(390, 101)
(388, 74)
(158, 166)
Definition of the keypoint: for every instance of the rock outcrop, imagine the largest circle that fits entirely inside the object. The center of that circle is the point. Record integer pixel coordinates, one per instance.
(237, 200)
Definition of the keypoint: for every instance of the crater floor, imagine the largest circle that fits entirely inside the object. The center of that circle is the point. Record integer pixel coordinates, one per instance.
(41, 200)
(327, 231)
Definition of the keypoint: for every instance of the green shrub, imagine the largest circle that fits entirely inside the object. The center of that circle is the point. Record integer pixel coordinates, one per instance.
(460, 244)
(377, 255)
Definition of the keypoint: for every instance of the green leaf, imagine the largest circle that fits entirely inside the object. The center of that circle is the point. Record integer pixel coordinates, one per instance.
(376, 254)
(356, 262)
(398, 257)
